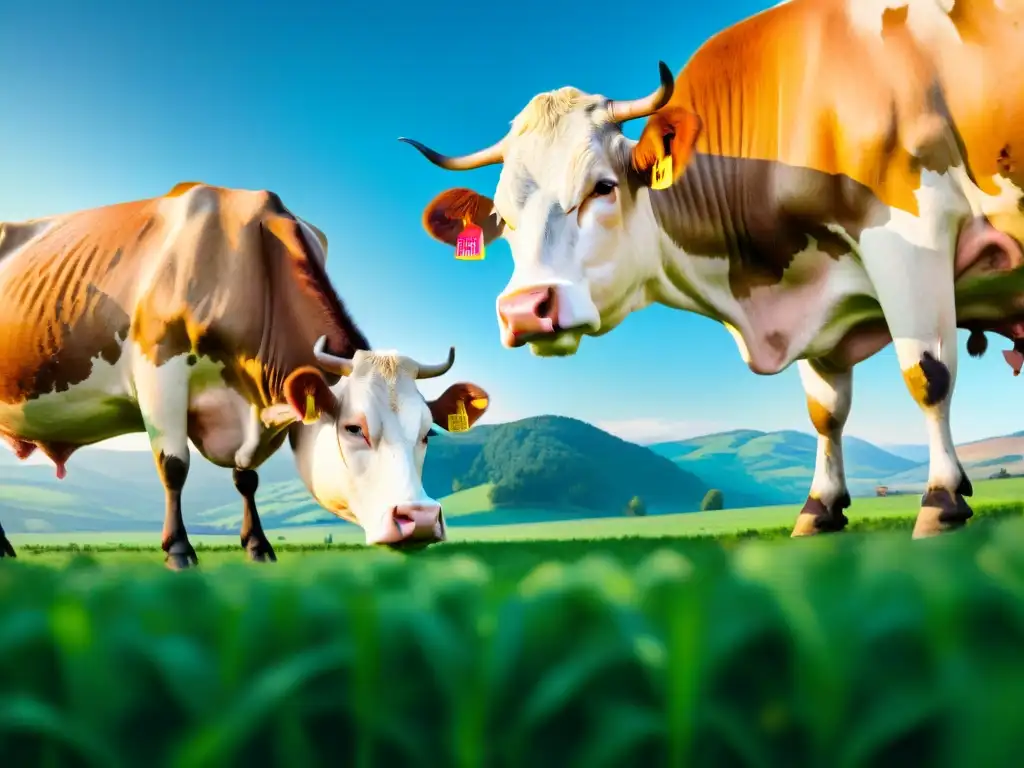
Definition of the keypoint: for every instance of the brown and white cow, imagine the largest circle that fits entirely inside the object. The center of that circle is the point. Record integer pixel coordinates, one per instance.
(207, 314)
(851, 179)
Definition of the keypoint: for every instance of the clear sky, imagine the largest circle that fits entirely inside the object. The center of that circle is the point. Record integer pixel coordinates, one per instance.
(115, 100)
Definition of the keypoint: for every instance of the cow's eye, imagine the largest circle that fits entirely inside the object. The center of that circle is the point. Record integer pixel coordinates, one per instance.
(604, 187)
(354, 429)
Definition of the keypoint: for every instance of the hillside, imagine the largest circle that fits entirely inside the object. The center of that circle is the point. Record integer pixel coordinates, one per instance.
(777, 466)
(980, 458)
(527, 465)
(535, 470)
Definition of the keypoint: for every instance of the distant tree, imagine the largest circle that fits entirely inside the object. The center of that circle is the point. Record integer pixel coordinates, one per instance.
(713, 499)
(636, 507)
(1000, 474)
(329, 539)
(456, 485)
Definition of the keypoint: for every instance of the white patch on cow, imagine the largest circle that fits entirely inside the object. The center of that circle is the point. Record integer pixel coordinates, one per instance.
(252, 430)
(359, 482)
(162, 394)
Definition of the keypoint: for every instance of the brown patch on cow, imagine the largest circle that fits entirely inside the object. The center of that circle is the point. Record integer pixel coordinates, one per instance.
(893, 19)
(182, 187)
(761, 214)
(928, 381)
(824, 421)
(443, 216)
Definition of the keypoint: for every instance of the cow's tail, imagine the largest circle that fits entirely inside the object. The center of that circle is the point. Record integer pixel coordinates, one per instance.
(977, 343)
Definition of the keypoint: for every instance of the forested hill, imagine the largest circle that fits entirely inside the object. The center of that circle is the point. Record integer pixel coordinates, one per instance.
(553, 461)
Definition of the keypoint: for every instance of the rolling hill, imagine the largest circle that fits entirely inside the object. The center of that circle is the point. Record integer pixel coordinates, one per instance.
(980, 459)
(777, 466)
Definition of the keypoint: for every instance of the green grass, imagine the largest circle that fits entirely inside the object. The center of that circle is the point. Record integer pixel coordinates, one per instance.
(865, 649)
(872, 511)
(468, 501)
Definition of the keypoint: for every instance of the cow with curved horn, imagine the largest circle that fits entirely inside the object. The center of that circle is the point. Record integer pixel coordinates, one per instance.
(818, 206)
(206, 316)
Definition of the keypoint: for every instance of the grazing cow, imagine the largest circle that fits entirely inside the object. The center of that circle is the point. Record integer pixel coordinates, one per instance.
(206, 314)
(851, 179)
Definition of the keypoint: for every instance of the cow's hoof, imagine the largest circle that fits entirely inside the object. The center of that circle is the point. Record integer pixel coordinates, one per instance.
(6, 548)
(941, 512)
(817, 518)
(260, 551)
(180, 557)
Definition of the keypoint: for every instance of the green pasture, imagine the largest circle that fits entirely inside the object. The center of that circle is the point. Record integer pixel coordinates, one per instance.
(871, 512)
(859, 650)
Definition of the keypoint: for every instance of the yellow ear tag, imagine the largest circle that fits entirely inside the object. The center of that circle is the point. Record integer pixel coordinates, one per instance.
(661, 176)
(459, 421)
(480, 403)
(470, 244)
(311, 412)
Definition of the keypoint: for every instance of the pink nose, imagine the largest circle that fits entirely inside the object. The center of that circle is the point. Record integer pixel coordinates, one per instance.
(526, 313)
(414, 524)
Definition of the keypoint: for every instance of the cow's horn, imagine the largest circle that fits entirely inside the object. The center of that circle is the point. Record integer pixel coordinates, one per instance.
(491, 156)
(621, 111)
(341, 366)
(433, 371)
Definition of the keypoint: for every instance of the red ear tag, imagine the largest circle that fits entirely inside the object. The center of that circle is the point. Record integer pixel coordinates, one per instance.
(470, 245)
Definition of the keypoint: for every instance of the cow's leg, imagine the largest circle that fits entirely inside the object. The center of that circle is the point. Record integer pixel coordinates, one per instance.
(910, 263)
(829, 395)
(6, 548)
(254, 540)
(162, 392)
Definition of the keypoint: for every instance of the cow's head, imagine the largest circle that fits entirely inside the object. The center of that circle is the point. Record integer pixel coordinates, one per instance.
(566, 203)
(360, 444)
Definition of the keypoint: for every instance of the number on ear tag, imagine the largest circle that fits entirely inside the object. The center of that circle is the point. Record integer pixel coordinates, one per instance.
(661, 176)
(470, 244)
(458, 421)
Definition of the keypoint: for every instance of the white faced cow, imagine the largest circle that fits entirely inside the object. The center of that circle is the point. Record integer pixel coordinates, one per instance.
(206, 314)
(844, 173)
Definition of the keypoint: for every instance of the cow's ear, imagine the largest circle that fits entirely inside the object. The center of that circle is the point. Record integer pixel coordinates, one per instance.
(443, 216)
(473, 398)
(673, 128)
(307, 397)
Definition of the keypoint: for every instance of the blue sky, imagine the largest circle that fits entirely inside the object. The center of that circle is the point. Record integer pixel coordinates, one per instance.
(125, 99)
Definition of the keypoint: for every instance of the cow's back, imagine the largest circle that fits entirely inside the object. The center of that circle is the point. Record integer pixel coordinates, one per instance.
(857, 89)
(159, 277)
